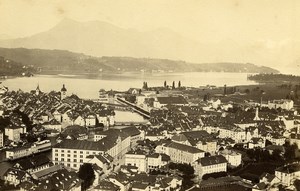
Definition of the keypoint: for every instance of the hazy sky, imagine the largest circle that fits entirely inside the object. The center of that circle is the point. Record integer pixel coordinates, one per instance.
(271, 26)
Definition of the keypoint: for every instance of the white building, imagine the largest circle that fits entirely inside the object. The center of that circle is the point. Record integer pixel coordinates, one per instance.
(72, 153)
(283, 104)
(234, 158)
(288, 174)
(208, 165)
(137, 159)
(180, 153)
(13, 132)
(1, 138)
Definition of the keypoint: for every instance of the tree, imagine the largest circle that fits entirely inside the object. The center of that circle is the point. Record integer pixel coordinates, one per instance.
(87, 174)
(165, 84)
(173, 85)
(247, 91)
(179, 84)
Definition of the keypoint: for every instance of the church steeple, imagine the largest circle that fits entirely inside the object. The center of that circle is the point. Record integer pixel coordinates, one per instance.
(37, 91)
(256, 118)
(63, 92)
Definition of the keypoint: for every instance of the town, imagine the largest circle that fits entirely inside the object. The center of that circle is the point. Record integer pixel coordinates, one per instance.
(191, 139)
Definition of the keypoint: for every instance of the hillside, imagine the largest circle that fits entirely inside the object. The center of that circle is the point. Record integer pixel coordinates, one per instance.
(61, 61)
(9, 67)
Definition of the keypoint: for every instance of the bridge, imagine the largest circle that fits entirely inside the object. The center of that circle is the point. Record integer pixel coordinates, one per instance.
(135, 108)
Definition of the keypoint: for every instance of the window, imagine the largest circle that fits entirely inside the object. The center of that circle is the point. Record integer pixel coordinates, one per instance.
(69, 151)
(75, 156)
(81, 152)
(62, 155)
(75, 151)
(75, 165)
(75, 160)
(68, 160)
(81, 160)
(69, 155)
(81, 156)
(62, 151)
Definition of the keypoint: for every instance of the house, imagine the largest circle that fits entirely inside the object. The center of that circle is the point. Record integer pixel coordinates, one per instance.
(134, 91)
(90, 120)
(212, 164)
(13, 132)
(256, 142)
(288, 174)
(137, 158)
(15, 176)
(104, 161)
(79, 121)
(62, 179)
(283, 104)
(106, 185)
(53, 124)
(33, 164)
(157, 160)
(295, 139)
(234, 158)
(163, 101)
(121, 180)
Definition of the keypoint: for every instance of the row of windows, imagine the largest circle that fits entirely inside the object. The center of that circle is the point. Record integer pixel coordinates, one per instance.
(69, 165)
(69, 160)
(68, 155)
(74, 151)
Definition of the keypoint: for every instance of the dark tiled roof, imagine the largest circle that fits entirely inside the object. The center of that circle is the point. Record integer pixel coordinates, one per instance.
(185, 148)
(212, 160)
(172, 100)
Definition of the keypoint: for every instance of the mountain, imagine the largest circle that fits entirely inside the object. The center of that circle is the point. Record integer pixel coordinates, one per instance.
(63, 61)
(103, 39)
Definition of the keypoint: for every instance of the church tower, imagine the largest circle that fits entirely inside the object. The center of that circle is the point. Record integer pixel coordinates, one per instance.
(63, 92)
(37, 91)
(256, 118)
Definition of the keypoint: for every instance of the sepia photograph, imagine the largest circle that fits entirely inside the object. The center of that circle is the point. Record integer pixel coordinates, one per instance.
(149, 95)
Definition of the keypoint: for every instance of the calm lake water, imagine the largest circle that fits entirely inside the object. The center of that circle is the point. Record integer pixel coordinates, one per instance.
(88, 86)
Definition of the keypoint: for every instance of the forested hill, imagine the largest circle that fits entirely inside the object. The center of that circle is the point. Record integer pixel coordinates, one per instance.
(62, 61)
(275, 78)
(9, 67)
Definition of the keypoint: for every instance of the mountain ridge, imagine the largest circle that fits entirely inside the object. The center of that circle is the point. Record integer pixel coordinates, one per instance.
(65, 61)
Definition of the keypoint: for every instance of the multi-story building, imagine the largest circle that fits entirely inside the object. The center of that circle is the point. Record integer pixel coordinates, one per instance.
(138, 159)
(234, 158)
(1, 138)
(13, 132)
(156, 161)
(180, 153)
(73, 153)
(208, 165)
(288, 174)
(283, 104)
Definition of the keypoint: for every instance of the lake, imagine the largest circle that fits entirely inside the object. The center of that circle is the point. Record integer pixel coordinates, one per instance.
(88, 86)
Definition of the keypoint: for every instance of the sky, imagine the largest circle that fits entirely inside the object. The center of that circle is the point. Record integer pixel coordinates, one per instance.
(270, 26)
